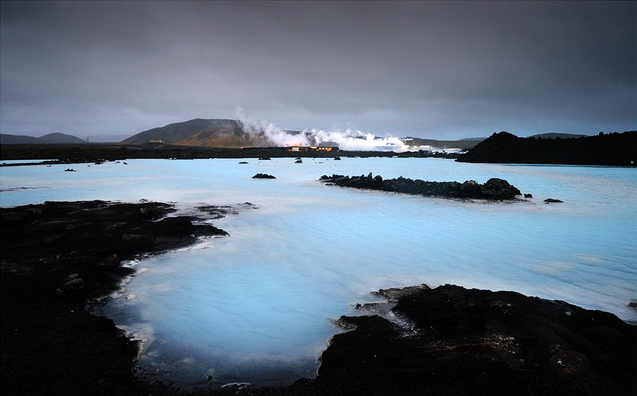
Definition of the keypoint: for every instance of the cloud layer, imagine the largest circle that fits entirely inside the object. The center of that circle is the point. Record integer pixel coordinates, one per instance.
(431, 69)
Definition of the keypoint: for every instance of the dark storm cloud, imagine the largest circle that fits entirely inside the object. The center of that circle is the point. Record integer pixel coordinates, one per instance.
(426, 68)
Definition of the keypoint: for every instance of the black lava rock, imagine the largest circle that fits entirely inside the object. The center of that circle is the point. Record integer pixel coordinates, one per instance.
(493, 189)
(263, 176)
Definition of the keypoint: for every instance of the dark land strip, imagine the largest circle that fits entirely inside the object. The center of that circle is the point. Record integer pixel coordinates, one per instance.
(59, 257)
(98, 153)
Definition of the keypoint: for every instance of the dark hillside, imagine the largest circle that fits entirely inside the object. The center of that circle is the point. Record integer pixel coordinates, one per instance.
(51, 138)
(179, 131)
(5, 138)
(618, 149)
(60, 138)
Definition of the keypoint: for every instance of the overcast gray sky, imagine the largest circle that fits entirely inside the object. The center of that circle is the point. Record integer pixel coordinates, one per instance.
(415, 68)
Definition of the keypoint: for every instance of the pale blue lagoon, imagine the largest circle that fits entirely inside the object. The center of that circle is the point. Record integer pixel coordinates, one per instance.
(256, 306)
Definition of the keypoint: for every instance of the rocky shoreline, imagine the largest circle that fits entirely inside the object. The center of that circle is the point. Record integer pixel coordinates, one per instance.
(57, 257)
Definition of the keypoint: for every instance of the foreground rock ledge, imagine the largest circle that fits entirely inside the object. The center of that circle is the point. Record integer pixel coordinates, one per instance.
(57, 256)
(493, 189)
(478, 342)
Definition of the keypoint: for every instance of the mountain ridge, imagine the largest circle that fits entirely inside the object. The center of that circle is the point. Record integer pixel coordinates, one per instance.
(51, 138)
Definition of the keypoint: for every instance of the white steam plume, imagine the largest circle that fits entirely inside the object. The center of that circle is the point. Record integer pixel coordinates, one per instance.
(355, 140)
(276, 135)
(349, 140)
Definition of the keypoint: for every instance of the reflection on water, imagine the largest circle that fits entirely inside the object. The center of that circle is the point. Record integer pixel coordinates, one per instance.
(256, 306)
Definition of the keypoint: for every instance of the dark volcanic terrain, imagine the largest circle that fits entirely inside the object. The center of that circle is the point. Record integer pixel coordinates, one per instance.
(617, 149)
(455, 341)
(493, 189)
(58, 257)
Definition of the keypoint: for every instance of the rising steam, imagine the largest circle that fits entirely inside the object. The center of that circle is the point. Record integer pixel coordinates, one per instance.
(349, 139)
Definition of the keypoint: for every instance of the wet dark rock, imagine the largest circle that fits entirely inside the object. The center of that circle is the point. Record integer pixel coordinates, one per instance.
(552, 200)
(221, 211)
(218, 211)
(528, 195)
(57, 257)
(496, 188)
(478, 342)
(263, 176)
(393, 294)
(493, 189)
(72, 284)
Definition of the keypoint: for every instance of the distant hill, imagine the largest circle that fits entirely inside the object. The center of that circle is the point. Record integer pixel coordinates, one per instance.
(603, 149)
(51, 138)
(203, 133)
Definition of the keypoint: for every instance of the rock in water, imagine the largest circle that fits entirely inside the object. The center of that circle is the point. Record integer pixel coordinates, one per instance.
(263, 176)
(493, 189)
(499, 189)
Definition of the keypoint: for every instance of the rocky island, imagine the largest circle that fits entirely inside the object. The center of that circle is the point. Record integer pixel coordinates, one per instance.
(493, 189)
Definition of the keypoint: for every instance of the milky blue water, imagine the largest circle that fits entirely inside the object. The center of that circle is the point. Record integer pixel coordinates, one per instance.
(256, 306)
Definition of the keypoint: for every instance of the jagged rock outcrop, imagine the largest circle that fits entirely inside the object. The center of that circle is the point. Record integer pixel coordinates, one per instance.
(493, 189)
